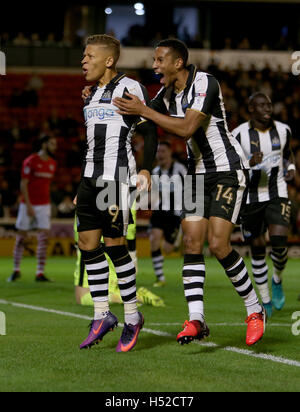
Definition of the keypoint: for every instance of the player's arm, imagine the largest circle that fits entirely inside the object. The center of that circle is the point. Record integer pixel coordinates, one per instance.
(24, 191)
(148, 131)
(183, 128)
(289, 159)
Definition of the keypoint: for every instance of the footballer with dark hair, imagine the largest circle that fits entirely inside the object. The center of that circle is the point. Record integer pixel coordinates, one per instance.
(266, 143)
(34, 211)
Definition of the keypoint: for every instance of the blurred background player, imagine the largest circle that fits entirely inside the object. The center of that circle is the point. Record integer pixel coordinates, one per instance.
(266, 143)
(109, 159)
(165, 220)
(35, 209)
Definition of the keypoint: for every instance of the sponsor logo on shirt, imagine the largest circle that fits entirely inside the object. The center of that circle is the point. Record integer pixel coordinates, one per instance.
(43, 174)
(98, 113)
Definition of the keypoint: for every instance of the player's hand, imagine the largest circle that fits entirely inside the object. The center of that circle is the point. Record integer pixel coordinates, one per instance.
(75, 200)
(131, 106)
(30, 211)
(86, 92)
(290, 175)
(143, 181)
(256, 159)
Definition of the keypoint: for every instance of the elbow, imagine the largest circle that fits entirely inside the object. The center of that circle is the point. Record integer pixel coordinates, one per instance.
(186, 132)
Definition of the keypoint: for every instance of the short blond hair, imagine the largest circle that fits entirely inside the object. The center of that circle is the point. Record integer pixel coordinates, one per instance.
(107, 41)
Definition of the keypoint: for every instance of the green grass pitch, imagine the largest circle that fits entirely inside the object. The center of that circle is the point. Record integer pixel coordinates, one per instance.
(40, 349)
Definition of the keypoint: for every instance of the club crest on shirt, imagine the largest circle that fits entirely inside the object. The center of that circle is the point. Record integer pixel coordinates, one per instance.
(275, 143)
(106, 97)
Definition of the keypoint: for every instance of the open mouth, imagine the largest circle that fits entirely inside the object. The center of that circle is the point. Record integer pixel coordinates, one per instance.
(161, 78)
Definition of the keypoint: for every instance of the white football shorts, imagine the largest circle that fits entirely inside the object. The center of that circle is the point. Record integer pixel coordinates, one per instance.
(41, 220)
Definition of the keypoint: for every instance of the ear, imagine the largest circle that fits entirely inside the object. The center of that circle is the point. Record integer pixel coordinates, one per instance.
(110, 62)
(179, 63)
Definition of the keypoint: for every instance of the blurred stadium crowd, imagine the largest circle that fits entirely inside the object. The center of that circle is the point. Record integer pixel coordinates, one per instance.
(34, 105)
(138, 36)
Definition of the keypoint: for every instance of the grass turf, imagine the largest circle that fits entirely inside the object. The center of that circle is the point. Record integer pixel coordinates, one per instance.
(40, 350)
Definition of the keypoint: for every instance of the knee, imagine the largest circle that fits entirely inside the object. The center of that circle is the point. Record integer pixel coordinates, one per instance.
(155, 240)
(84, 243)
(214, 247)
(219, 249)
(278, 242)
(191, 245)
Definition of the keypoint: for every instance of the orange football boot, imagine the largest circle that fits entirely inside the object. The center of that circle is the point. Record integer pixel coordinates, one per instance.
(256, 327)
(193, 329)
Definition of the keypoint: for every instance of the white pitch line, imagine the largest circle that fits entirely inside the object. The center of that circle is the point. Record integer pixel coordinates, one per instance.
(279, 325)
(40, 309)
(249, 353)
(263, 356)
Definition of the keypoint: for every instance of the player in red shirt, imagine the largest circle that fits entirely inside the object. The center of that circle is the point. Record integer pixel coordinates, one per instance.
(35, 208)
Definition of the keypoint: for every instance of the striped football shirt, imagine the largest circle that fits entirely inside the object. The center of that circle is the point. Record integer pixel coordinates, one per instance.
(267, 178)
(109, 133)
(212, 148)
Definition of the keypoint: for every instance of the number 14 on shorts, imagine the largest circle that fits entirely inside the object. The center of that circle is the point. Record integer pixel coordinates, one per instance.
(225, 194)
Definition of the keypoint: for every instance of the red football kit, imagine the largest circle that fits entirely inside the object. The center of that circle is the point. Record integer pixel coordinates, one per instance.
(40, 173)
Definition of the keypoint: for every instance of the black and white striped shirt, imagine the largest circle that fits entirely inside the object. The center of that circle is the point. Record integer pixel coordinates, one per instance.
(212, 148)
(109, 133)
(166, 189)
(267, 178)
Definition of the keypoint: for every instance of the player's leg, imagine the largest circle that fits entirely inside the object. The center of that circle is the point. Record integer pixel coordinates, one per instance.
(126, 273)
(219, 239)
(80, 276)
(17, 255)
(193, 274)
(98, 273)
(131, 238)
(41, 254)
(171, 233)
(225, 207)
(254, 228)
(278, 219)
(43, 225)
(260, 271)
(194, 226)
(96, 265)
(89, 223)
(156, 237)
(115, 225)
(278, 239)
(22, 226)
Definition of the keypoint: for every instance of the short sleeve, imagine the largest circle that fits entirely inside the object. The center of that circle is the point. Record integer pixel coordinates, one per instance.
(206, 94)
(27, 168)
